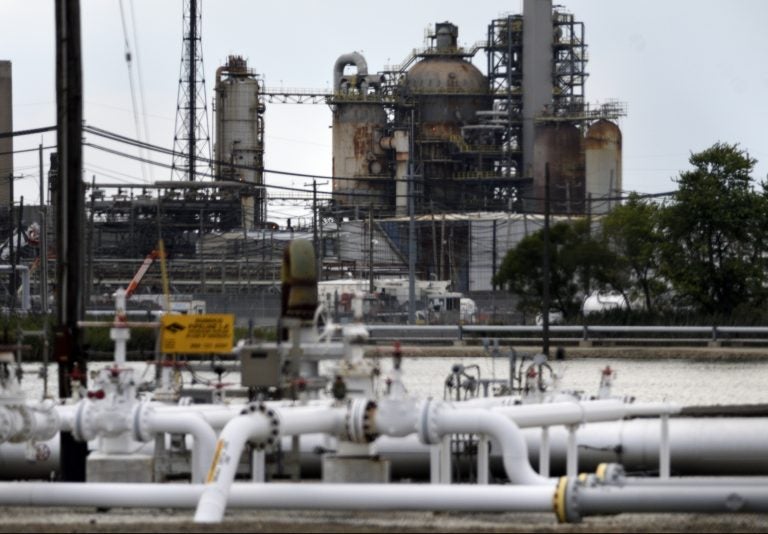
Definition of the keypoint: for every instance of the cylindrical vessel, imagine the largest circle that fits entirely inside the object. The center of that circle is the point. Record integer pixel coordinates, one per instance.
(240, 133)
(361, 174)
(448, 91)
(558, 144)
(602, 153)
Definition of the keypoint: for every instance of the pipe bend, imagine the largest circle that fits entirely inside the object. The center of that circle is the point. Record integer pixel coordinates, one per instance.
(256, 423)
(353, 58)
(194, 425)
(513, 447)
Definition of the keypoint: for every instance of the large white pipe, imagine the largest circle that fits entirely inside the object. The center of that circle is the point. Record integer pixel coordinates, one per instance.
(194, 425)
(513, 448)
(574, 413)
(265, 425)
(285, 496)
(698, 445)
(674, 499)
(30, 461)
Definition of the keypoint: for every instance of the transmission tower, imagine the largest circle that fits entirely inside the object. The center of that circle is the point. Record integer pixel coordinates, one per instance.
(191, 139)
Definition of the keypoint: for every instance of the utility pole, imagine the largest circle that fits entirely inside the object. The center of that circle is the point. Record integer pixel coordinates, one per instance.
(370, 249)
(315, 223)
(493, 256)
(43, 249)
(44, 270)
(314, 228)
(11, 254)
(69, 213)
(545, 268)
(411, 231)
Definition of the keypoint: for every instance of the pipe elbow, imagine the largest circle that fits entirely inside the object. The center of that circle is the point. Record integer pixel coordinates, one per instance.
(353, 58)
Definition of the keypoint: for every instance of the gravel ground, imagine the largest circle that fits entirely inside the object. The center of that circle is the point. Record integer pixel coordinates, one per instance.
(615, 353)
(17, 519)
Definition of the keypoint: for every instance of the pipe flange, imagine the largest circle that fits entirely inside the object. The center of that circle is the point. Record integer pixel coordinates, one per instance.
(274, 423)
(427, 427)
(565, 500)
(369, 422)
(84, 428)
(27, 423)
(6, 424)
(610, 474)
(359, 421)
(47, 421)
(140, 416)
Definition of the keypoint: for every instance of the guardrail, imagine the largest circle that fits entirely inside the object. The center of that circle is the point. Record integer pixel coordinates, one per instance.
(577, 335)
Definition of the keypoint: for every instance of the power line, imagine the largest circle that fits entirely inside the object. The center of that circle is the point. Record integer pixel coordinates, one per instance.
(17, 133)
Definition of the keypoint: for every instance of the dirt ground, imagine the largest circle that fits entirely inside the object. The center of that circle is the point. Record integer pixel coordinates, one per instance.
(18, 519)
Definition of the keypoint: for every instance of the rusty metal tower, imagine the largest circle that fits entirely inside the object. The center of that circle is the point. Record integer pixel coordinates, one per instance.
(191, 139)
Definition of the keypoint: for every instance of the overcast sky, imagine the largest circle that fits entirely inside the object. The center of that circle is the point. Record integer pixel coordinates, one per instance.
(692, 72)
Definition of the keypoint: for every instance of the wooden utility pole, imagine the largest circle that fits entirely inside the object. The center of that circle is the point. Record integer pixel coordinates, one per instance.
(70, 214)
(545, 269)
(370, 250)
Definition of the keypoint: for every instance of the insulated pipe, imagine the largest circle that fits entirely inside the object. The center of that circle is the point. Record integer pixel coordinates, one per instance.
(229, 448)
(571, 413)
(513, 448)
(218, 415)
(353, 58)
(194, 425)
(694, 481)
(676, 499)
(698, 445)
(285, 496)
(263, 424)
(24, 461)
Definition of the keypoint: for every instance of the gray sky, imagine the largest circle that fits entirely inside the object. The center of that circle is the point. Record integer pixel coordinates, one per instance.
(692, 72)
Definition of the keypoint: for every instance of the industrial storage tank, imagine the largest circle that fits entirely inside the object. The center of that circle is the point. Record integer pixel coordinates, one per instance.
(360, 169)
(602, 152)
(559, 145)
(448, 92)
(239, 145)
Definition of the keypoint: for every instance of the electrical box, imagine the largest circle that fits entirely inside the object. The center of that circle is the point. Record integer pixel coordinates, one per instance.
(260, 367)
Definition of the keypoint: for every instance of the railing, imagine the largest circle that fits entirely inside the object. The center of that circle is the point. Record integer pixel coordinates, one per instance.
(589, 335)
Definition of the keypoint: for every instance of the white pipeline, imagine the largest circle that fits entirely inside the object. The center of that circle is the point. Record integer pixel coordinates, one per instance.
(285, 496)
(264, 425)
(194, 425)
(675, 499)
(514, 451)
(575, 413)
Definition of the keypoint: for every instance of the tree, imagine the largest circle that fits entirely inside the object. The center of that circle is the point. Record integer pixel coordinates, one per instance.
(714, 242)
(632, 233)
(572, 252)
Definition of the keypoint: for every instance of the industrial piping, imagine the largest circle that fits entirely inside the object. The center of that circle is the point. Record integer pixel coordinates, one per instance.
(264, 425)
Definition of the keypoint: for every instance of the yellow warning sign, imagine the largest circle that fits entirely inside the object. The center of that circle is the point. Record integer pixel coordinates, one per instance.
(211, 332)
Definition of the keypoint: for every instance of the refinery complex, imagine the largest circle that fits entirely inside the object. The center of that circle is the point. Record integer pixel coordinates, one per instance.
(435, 153)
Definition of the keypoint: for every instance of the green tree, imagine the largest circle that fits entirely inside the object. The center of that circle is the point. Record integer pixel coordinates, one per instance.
(714, 241)
(632, 232)
(572, 252)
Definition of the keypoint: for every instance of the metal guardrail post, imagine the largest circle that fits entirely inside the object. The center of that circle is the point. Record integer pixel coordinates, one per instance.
(585, 333)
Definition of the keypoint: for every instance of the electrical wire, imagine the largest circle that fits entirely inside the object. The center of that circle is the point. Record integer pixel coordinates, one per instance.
(134, 107)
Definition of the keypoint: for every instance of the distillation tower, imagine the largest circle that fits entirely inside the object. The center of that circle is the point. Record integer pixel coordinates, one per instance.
(474, 141)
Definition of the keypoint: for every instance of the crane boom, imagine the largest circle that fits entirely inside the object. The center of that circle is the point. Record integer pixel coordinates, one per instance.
(136, 280)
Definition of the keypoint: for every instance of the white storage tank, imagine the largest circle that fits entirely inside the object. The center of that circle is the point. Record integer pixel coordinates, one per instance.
(240, 133)
(602, 152)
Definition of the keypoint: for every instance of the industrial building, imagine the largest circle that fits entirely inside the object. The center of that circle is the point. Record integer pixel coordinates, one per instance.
(461, 139)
